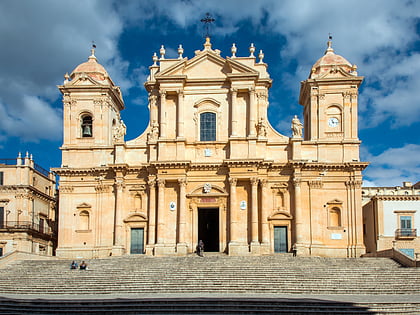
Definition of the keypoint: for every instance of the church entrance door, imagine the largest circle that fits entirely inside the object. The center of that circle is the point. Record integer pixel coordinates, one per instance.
(280, 239)
(137, 241)
(208, 228)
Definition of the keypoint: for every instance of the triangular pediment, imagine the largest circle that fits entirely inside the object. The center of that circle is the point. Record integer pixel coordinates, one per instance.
(336, 72)
(83, 80)
(207, 65)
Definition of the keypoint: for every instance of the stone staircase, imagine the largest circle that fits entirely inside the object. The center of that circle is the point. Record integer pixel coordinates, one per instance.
(213, 275)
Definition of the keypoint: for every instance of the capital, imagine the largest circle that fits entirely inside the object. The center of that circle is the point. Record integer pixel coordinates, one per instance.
(182, 182)
(233, 181)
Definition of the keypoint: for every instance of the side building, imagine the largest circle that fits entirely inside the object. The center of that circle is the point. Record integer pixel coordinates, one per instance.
(27, 207)
(209, 165)
(393, 217)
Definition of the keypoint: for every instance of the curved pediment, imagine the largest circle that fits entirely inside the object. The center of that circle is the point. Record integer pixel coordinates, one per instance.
(136, 217)
(280, 215)
(208, 190)
(84, 205)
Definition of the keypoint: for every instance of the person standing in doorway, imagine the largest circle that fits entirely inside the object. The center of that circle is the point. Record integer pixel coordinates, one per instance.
(200, 248)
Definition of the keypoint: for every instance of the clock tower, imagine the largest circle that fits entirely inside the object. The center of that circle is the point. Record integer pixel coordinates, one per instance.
(329, 97)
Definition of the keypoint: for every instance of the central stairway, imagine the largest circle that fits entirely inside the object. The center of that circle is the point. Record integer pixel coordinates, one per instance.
(192, 277)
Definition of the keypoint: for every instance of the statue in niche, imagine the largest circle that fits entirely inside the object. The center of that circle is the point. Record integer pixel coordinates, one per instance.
(296, 127)
(119, 131)
(262, 128)
(154, 131)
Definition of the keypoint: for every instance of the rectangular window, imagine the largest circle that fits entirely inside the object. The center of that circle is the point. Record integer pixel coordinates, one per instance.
(208, 127)
(405, 225)
(1, 178)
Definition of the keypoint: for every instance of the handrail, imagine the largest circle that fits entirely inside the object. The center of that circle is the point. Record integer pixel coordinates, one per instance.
(405, 233)
(26, 225)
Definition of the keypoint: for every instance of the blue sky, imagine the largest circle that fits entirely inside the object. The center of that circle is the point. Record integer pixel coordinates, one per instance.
(42, 40)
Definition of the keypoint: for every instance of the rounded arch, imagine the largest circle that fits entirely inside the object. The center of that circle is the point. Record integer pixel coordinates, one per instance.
(86, 124)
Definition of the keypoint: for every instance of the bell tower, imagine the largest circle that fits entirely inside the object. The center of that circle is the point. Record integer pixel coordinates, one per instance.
(92, 105)
(329, 97)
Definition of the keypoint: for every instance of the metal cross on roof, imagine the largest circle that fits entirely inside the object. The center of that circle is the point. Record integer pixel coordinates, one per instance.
(207, 21)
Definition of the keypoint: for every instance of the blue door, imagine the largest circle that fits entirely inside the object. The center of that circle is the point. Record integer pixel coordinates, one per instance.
(280, 239)
(137, 241)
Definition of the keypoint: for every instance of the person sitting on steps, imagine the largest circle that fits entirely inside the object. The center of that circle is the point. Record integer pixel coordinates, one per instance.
(83, 265)
(73, 265)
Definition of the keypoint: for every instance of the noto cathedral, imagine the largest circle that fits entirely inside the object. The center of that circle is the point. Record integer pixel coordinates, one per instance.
(209, 165)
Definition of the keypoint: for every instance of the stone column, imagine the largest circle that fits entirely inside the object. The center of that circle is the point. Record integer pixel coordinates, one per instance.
(254, 216)
(299, 220)
(162, 114)
(252, 113)
(118, 228)
(180, 114)
(182, 245)
(151, 232)
(265, 228)
(233, 209)
(160, 211)
(234, 122)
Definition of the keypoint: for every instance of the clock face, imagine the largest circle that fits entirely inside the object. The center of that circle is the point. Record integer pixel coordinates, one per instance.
(333, 122)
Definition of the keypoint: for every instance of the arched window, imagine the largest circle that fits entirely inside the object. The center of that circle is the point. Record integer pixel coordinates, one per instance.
(207, 126)
(87, 126)
(84, 220)
(335, 216)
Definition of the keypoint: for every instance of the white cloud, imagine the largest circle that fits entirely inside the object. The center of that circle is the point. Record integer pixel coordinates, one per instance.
(395, 165)
(42, 40)
(36, 120)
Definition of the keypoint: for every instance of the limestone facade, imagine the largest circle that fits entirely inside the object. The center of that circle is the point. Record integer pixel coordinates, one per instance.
(27, 207)
(209, 165)
(392, 218)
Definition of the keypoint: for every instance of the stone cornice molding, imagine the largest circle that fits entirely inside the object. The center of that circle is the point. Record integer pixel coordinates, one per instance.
(396, 197)
(93, 171)
(243, 163)
(171, 164)
(25, 191)
(205, 166)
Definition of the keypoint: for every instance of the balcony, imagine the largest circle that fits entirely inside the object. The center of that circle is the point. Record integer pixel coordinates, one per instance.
(43, 231)
(405, 233)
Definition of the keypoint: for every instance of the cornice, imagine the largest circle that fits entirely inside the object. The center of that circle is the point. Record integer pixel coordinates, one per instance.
(396, 197)
(171, 164)
(25, 189)
(94, 171)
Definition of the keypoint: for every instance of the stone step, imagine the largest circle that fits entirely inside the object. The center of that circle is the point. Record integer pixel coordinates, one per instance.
(200, 306)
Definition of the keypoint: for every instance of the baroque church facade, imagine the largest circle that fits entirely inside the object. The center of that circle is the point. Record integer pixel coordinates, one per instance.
(209, 166)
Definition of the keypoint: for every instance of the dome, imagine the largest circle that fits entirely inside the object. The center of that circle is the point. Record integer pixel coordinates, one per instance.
(330, 61)
(92, 68)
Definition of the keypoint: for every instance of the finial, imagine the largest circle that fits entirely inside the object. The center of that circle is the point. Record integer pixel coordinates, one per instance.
(233, 50)
(207, 44)
(155, 59)
(180, 51)
(329, 44)
(251, 50)
(66, 78)
(27, 154)
(261, 56)
(19, 155)
(207, 20)
(162, 52)
(92, 51)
